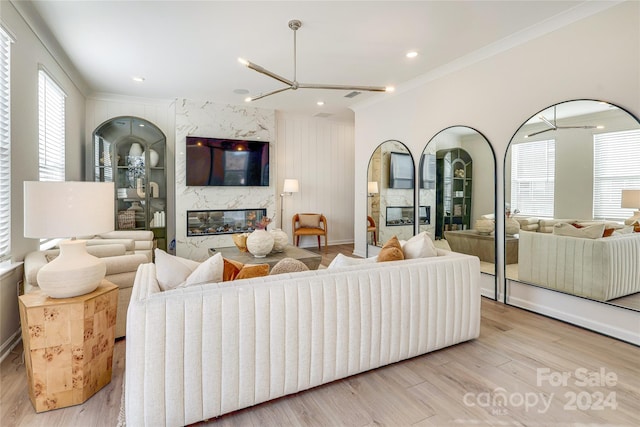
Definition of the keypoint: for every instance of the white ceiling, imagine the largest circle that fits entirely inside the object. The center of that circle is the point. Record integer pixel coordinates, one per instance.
(189, 49)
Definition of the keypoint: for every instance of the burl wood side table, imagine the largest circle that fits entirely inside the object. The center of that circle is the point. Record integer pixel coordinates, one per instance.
(68, 345)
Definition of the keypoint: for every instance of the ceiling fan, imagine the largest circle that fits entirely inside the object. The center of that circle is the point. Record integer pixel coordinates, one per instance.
(553, 125)
(295, 24)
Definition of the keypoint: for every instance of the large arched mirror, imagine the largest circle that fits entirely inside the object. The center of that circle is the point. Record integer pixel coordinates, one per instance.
(390, 195)
(456, 197)
(572, 181)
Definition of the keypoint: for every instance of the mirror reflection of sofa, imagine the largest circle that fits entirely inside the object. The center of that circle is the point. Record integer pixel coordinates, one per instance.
(600, 268)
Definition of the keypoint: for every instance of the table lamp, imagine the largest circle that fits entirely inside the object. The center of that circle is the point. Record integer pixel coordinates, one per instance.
(631, 199)
(54, 209)
(372, 188)
(290, 186)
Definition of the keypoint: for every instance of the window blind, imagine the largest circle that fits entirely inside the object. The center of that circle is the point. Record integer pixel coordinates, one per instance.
(5, 145)
(532, 177)
(51, 129)
(616, 166)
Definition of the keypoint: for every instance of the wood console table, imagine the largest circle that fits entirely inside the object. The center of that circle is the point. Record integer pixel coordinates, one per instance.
(483, 246)
(68, 345)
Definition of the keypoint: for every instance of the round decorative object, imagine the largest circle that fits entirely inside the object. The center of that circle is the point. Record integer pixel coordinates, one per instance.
(135, 206)
(260, 243)
(154, 157)
(240, 240)
(135, 150)
(280, 239)
(511, 226)
(484, 226)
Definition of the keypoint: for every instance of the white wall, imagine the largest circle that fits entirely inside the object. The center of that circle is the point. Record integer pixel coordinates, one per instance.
(597, 57)
(27, 55)
(319, 153)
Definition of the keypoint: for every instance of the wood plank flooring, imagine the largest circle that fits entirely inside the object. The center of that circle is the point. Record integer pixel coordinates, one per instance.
(506, 377)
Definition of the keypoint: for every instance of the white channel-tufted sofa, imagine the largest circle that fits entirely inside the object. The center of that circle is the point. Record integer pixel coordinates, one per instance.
(601, 269)
(199, 352)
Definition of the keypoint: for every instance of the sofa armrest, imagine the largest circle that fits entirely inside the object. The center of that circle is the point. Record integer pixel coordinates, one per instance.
(145, 283)
(123, 263)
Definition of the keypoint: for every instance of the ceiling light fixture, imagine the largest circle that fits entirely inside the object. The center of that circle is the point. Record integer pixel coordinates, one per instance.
(294, 84)
(412, 54)
(320, 103)
(137, 79)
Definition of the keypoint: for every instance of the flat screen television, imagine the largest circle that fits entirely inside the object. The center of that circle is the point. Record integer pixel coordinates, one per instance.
(227, 162)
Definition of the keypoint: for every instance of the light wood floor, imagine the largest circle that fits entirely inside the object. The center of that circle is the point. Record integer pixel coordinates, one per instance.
(517, 356)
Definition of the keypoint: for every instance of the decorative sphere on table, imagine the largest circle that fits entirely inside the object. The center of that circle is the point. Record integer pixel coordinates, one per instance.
(280, 240)
(260, 243)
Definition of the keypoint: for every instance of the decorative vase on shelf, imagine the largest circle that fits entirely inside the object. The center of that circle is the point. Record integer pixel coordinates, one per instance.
(135, 150)
(260, 243)
(154, 158)
(280, 240)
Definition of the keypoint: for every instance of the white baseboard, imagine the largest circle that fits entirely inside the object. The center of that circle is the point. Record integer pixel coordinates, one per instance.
(607, 319)
(10, 344)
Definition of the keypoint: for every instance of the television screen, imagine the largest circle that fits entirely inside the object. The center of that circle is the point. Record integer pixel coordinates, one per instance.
(401, 170)
(227, 162)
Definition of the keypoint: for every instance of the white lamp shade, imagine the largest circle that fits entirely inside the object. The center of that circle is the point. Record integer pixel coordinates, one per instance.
(630, 199)
(372, 187)
(290, 186)
(67, 209)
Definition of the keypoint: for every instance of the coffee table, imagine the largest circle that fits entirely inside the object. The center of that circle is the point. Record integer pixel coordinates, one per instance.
(310, 259)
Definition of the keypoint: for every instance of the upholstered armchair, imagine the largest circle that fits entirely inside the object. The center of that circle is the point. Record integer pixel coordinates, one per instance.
(309, 224)
(371, 228)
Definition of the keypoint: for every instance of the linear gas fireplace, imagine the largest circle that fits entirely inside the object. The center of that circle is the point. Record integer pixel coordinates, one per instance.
(223, 221)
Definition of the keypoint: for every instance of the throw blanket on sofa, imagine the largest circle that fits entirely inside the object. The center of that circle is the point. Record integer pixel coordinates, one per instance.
(196, 353)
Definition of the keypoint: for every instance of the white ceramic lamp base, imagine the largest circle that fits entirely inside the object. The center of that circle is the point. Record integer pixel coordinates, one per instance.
(74, 272)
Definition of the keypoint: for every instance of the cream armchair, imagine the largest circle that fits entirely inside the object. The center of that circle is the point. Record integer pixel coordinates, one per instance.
(122, 252)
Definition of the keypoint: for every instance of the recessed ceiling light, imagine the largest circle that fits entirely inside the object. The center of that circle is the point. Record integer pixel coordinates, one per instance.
(412, 54)
(390, 89)
(141, 125)
(137, 79)
(320, 103)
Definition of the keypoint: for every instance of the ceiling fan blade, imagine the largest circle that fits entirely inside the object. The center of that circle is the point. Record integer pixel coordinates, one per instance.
(539, 132)
(578, 127)
(342, 87)
(263, 95)
(544, 119)
(266, 72)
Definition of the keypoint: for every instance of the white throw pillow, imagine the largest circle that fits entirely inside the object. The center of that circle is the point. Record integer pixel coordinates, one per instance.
(210, 270)
(343, 261)
(419, 246)
(173, 271)
(594, 231)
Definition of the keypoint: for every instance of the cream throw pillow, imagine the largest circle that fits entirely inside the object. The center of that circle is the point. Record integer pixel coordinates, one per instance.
(342, 261)
(173, 271)
(594, 231)
(419, 246)
(309, 220)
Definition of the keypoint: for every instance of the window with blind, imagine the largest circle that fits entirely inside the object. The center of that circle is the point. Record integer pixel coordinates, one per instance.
(616, 167)
(5, 146)
(52, 129)
(532, 177)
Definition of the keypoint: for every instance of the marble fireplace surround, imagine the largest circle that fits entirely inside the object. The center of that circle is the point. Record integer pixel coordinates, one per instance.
(207, 119)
